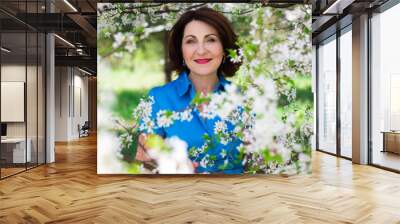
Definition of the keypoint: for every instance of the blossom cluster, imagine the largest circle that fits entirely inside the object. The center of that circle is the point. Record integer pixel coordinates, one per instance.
(166, 118)
(171, 157)
(143, 112)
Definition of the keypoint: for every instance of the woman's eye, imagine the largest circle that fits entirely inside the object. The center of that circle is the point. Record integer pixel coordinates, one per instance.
(190, 41)
(211, 40)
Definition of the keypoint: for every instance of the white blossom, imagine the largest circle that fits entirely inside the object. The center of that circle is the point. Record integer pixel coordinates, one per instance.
(163, 120)
(220, 127)
(223, 153)
(186, 115)
(175, 161)
(224, 140)
(254, 63)
(304, 157)
(238, 58)
(208, 111)
(206, 161)
(147, 126)
(130, 47)
(119, 38)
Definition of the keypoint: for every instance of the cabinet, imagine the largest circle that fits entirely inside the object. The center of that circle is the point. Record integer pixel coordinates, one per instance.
(391, 142)
(13, 150)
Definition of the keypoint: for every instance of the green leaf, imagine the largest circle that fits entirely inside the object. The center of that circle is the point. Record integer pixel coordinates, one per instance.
(169, 113)
(156, 142)
(199, 99)
(133, 168)
(222, 167)
(306, 30)
(291, 63)
(232, 53)
(206, 137)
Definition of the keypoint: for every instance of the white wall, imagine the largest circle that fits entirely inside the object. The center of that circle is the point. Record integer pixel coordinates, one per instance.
(71, 94)
(12, 73)
(61, 103)
(33, 126)
(12, 100)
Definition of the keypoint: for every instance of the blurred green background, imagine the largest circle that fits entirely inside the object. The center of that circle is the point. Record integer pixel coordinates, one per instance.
(131, 76)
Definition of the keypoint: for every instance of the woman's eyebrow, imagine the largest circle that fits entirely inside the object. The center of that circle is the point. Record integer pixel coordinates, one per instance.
(212, 34)
(190, 35)
(187, 36)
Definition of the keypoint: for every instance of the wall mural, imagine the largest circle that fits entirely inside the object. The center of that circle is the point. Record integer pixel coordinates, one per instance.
(200, 88)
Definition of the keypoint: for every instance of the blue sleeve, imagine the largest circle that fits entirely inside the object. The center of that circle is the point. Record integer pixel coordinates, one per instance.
(150, 126)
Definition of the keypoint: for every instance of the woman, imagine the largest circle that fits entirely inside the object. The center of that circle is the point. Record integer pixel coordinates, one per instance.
(198, 50)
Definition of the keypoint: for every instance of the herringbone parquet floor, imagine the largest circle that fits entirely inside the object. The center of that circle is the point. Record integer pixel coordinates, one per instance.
(70, 191)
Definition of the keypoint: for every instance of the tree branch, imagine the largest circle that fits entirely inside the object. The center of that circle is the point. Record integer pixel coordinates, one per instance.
(167, 10)
(135, 7)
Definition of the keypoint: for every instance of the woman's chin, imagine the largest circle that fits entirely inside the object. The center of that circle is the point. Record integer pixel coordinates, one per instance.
(204, 72)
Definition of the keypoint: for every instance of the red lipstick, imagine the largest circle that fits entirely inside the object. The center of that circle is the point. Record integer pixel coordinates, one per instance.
(202, 60)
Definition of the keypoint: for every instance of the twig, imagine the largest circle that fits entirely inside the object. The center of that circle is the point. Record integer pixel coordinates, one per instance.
(132, 8)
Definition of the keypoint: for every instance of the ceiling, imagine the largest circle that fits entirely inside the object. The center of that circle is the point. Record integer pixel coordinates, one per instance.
(330, 15)
(74, 22)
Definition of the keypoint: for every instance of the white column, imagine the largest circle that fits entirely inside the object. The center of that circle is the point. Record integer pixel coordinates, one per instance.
(50, 93)
(360, 90)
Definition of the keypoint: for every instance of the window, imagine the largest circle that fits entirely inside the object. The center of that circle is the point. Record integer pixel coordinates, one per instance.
(327, 96)
(385, 88)
(22, 77)
(346, 92)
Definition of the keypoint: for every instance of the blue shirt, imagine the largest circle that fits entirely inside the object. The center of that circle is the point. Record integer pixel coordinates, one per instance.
(176, 96)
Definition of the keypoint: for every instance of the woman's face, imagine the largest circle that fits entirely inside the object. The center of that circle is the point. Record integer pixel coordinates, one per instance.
(201, 48)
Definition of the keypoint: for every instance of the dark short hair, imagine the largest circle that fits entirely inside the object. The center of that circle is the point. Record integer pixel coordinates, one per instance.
(213, 18)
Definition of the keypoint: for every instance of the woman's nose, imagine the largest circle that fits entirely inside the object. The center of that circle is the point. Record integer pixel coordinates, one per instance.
(201, 49)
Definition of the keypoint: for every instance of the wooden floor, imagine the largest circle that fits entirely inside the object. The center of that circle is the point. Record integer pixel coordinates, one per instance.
(10, 171)
(70, 191)
(387, 159)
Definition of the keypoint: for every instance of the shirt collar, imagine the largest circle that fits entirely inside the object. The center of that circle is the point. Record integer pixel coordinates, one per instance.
(184, 83)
